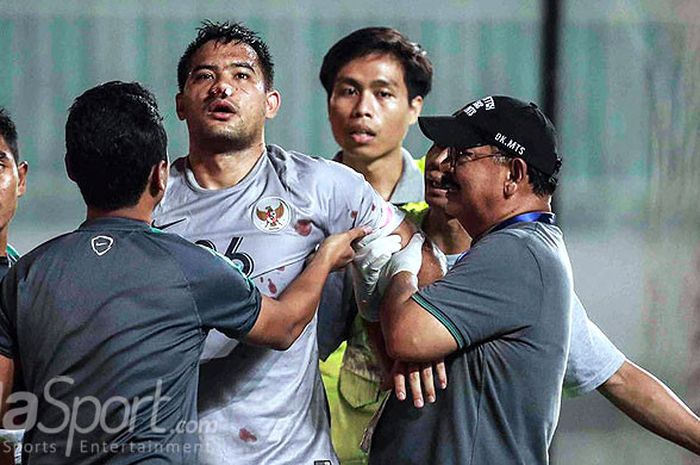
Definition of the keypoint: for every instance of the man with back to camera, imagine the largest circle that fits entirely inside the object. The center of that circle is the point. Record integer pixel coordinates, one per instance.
(501, 315)
(264, 207)
(122, 309)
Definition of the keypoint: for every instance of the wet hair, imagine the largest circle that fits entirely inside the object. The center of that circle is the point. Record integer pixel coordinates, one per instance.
(225, 33)
(417, 68)
(8, 131)
(114, 138)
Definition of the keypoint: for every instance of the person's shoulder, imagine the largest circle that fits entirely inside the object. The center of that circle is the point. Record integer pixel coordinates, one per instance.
(538, 237)
(52, 247)
(309, 169)
(171, 242)
(178, 168)
(509, 246)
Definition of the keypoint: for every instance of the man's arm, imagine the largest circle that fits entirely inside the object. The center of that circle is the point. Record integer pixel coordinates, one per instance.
(653, 405)
(282, 320)
(430, 271)
(410, 332)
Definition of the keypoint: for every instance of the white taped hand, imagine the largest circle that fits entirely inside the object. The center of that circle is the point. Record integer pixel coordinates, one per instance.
(366, 267)
(409, 259)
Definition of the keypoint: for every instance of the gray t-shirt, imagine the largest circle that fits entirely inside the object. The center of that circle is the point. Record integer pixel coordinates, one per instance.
(508, 306)
(593, 358)
(107, 324)
(258, 405)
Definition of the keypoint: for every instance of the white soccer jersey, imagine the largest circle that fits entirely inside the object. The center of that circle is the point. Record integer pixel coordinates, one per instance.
(261, 406)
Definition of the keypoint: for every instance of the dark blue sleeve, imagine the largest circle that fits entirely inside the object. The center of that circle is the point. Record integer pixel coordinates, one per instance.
(8, 304)
(226, 300)
(495, 290)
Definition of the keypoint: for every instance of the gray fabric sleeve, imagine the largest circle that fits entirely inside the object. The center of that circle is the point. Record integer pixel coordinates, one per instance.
(593, 358)
(226, 300)
(351, 202)
(495, 290)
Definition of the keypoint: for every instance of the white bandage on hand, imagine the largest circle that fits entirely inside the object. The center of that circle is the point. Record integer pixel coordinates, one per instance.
(366, 267)
(410, 259)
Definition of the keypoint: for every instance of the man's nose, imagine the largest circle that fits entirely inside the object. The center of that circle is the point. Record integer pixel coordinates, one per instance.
(363, 106)
(446, 165)
(221, 90)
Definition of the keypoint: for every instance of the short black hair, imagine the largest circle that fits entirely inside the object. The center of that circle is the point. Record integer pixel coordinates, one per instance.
(114, 138)
(8, 131)
(417, 68)
(542, 184)
(225, 33)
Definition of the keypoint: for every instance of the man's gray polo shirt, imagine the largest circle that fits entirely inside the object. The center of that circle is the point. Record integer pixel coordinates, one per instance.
(114, 316)
(507, 304)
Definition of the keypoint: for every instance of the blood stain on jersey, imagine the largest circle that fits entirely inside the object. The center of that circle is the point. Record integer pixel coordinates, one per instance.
(281, 268)
(374, 207)
(271, 287)
(246, 436)
(262, 280)
(303, 227)
(271, 214)
(353, 214)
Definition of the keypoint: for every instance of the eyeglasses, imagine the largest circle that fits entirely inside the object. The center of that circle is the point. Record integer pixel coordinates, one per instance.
(461, 156)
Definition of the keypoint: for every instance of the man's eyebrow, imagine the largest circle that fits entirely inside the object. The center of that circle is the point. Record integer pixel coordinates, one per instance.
(242, 64)
(375, 83)
(383, 83)
(347, 80)
(235, 64)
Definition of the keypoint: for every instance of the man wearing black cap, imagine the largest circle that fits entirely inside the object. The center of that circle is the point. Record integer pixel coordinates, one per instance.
(501, 315)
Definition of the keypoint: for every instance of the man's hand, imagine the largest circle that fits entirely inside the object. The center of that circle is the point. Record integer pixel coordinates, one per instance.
(409, 259)
(369, 261)
(337, 248)
(421, 378)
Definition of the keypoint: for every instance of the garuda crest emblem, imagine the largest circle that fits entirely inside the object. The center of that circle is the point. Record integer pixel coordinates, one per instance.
(271, 214)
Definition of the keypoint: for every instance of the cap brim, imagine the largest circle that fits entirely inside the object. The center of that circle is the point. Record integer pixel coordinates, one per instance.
(448, 131)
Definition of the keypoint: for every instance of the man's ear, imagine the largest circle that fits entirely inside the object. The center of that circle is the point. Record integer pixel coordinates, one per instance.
(517, 174)
(178, 106)
(273, 101)
(22, 170)
(158, 179)
(415, 106)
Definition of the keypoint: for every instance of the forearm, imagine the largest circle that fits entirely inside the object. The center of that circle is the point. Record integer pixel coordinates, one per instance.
(653, 405)
(300, 299)
(401, 287)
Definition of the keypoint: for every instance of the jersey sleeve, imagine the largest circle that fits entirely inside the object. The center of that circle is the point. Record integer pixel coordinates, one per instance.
(481, 298)
(593, 358)
(8, 305)
(350, 201)
(225, 299)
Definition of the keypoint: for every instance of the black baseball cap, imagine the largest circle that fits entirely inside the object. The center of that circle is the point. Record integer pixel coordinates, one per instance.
(520, 129)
